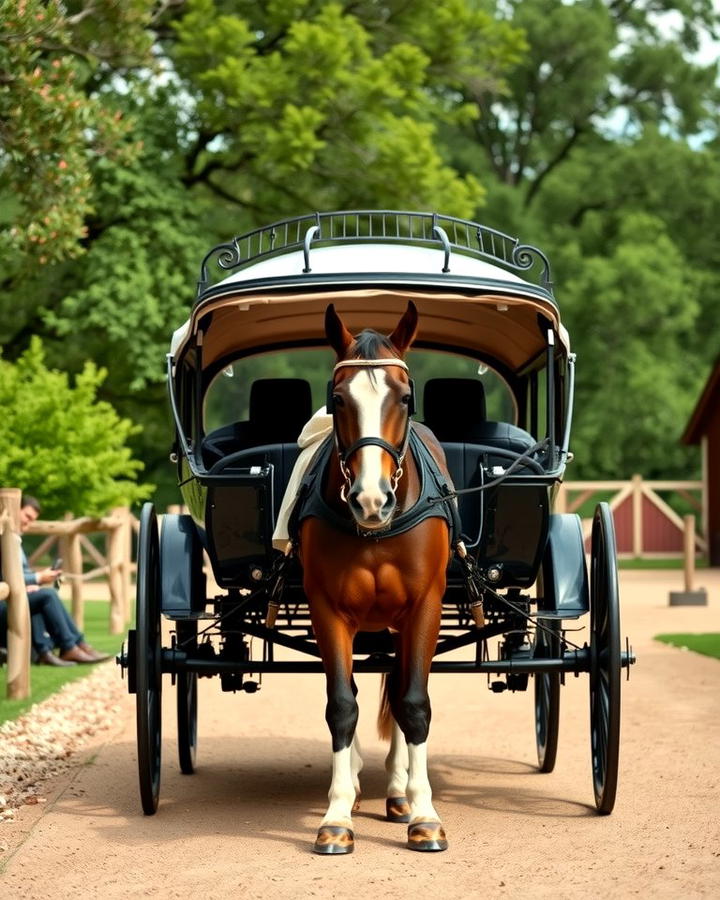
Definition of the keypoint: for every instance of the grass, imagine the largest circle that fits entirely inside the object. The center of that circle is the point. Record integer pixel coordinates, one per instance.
(46, 680)
(707, 644)
(671, 563)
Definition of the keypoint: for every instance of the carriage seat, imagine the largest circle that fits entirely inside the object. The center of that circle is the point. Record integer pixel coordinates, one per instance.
(279, 408)
(455, 411)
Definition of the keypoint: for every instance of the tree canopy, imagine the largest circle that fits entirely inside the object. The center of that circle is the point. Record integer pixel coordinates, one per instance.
(135, 135)
(62, 444)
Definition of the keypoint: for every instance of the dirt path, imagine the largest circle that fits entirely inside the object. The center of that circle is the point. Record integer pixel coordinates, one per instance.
(243, 824)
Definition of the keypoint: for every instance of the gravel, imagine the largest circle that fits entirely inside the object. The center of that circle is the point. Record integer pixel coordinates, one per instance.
(46, 741)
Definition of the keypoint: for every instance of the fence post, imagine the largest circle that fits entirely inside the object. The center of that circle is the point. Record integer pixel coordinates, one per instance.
(114, 560)
(126, 548)
(75, 567)
(18, 612)
(637, 502)
(689, 552)
(690, 596)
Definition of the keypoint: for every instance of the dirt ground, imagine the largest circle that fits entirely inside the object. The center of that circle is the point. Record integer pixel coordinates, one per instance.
(244, 823)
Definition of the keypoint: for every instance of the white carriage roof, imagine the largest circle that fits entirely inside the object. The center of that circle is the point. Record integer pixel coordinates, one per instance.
(373, 257)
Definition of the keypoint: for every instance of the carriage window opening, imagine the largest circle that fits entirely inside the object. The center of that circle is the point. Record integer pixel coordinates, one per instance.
(227, 399)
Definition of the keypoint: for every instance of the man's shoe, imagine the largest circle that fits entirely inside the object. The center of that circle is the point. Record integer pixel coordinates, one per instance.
(97, 655)
(48, 658)
(77, 655)
(3, 655)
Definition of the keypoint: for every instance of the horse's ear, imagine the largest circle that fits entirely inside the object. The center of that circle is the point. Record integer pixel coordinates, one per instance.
(406, 329)
(337, 334)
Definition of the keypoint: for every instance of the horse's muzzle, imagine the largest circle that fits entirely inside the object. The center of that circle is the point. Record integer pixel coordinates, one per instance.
(372, 510)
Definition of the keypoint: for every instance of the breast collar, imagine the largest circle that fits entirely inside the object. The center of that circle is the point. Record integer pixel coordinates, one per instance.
(311, 503)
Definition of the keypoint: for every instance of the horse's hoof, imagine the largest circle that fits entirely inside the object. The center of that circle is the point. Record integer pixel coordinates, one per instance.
(334, 840)
(356, 804)
(426, 837)
(397, 809)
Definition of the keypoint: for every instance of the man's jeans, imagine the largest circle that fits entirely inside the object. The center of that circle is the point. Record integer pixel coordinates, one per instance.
(50, 623)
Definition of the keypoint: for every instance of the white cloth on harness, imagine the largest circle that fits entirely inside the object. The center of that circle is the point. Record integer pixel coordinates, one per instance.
(313, 434)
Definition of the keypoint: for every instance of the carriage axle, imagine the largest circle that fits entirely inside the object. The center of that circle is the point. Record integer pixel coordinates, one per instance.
(572, 661)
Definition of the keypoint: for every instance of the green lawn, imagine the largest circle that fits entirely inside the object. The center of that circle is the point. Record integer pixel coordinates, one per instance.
(707, 644)
(45, 680)
(672, 563)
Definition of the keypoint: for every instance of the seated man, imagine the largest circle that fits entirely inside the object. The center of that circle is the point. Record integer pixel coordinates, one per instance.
(51, 624)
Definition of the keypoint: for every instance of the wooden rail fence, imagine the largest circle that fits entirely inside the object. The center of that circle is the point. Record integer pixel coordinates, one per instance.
(646, 526)
(68, 538)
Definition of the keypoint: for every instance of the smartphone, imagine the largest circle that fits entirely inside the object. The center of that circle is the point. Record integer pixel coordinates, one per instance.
(58, 563)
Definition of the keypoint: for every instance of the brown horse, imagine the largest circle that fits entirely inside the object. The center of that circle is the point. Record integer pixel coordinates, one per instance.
(367, 578)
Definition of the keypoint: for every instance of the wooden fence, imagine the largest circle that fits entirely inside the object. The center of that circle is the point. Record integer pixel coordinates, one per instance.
(68, 538)
(646, 526)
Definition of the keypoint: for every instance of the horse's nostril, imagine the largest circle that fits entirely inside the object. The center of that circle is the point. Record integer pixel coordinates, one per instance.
(389, 503)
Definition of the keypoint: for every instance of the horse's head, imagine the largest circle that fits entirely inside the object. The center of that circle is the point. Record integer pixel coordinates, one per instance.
(371, 398)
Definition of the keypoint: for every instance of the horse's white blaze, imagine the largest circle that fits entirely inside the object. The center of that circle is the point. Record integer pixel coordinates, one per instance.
(369, 393)
(419, 792)
(342, 790)
(396, 764)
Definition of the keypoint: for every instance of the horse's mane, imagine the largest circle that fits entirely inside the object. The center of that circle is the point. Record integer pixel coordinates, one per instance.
(369, 343)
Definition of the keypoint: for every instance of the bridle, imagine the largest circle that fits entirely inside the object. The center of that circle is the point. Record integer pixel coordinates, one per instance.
(396, 452)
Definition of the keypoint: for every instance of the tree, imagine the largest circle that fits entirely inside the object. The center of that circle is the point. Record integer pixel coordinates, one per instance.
(601, 152)
(50, 128)
(60, 442)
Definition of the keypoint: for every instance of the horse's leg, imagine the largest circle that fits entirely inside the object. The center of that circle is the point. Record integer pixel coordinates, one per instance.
(397, 807)
(356, 761)
(411, 707)
(356, 764)
(334, 639)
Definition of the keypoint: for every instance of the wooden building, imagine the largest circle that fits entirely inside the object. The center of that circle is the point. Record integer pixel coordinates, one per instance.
(704, 429)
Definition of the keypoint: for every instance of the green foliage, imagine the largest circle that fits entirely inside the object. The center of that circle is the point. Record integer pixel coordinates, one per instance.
(51, 129)
(135, 135)
(304, 106)
(60, 443)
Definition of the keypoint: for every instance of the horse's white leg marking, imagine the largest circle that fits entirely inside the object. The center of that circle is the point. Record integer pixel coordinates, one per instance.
(342, 790)
(369, 393)
(356, 764)
(419, 792)
(396, 764)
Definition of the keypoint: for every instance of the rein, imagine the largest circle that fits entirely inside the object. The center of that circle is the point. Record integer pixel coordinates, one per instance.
(495, 481)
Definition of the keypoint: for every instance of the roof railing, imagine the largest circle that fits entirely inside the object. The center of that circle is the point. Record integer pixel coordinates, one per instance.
(377, 226)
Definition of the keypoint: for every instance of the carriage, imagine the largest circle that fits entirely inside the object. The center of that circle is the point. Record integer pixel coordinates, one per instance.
(493, 380)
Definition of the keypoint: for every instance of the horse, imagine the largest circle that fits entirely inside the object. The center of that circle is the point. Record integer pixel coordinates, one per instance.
(360, 575)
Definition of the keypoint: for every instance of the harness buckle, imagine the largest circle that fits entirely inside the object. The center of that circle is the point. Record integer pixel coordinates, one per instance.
(398, 474)
(348, 480)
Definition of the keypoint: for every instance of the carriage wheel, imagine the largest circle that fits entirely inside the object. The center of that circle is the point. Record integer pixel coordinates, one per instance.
(187, 701)
(148, 660)
(547, 697)
(604, 660)
(547, 690)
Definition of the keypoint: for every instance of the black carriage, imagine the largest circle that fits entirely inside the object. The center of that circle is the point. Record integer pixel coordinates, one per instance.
(495, 378)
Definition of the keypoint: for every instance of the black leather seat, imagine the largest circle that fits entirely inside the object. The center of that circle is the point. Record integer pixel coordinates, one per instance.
(279, 408)
(455, 410)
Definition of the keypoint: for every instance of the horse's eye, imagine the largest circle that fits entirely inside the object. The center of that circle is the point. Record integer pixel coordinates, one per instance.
(338, 400)
(405, 400)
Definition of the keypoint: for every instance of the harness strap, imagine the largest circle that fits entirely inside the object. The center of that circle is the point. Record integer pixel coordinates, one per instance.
(396, 454)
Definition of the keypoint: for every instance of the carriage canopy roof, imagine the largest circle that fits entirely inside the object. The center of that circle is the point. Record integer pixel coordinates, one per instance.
(469, 300)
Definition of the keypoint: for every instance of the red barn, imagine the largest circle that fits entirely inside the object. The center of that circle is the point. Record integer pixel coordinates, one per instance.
(704, 429)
